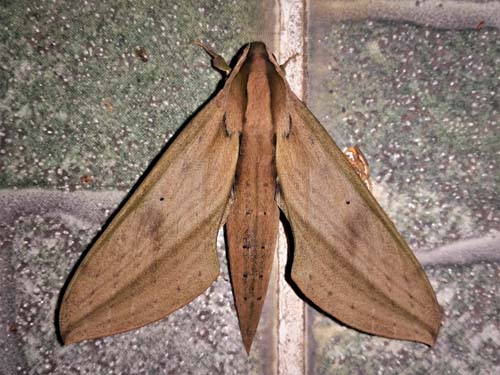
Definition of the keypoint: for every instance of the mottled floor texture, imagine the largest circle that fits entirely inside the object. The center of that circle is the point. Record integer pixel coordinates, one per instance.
(422, 100)
(90, 92)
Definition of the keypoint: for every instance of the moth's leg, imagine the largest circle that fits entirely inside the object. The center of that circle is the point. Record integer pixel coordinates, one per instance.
(218, 61)
(286, 126)
(359, 163)
(227, 209)
(284, 65)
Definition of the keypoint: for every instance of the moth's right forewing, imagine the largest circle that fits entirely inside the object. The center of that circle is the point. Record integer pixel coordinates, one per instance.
(159, 252)
(349, 258)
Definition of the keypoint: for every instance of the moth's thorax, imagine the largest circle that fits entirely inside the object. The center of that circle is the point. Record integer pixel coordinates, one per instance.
(258, 96)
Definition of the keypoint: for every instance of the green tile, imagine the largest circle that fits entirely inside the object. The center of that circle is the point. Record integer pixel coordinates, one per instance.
(76, 100)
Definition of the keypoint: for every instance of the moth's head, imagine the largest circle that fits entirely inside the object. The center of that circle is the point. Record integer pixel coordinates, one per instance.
(255, 57)
(260, 50)
(257, 49)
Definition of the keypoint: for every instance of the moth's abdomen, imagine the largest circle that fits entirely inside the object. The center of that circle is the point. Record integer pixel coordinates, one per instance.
(252, 224)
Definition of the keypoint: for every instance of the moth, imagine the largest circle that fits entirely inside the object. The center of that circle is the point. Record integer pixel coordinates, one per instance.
(253, 150)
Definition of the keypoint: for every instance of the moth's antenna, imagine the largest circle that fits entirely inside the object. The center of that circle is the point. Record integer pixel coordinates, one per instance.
(293, 57)
(218, 61)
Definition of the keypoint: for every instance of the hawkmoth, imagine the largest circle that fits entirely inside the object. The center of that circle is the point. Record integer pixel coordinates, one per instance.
(251, 151)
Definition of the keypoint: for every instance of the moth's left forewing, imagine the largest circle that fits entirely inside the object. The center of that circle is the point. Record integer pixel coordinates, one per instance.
(159, 251)
(349, 259)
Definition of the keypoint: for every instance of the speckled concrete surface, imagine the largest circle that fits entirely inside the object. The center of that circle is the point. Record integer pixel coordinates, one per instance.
(89, 93)
(424, 106)
(73, 82)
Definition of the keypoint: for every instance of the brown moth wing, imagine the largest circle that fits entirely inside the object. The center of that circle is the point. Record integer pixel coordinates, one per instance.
(349, 258)
(159, 252)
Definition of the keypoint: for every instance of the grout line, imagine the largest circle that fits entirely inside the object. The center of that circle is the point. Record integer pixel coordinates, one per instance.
(291, 318)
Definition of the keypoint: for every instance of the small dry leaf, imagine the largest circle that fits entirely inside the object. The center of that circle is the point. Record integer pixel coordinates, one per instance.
(141, 53)
(86, 179)
(12, 327)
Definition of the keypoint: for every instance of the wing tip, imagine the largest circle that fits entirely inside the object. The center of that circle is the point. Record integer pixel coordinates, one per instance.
(435, 325)
(427, 334)
(427, 338)
(436, 329)
(69, 338)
